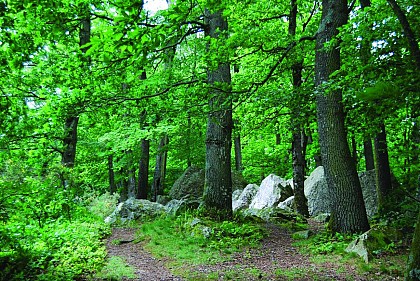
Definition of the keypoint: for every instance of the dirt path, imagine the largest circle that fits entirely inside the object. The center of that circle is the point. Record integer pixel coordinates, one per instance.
(147, 268)
(276, 259)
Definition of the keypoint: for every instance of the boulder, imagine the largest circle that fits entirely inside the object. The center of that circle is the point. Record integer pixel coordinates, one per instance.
(368, 183)
(242, 199)
(133, 209)
(176, 207)
(316, 191)
(287, 204)
(373, 241)
(272, 191)
(190, 184)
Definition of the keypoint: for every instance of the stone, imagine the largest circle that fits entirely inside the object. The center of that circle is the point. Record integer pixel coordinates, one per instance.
(303, 234)
(176, 207)
(375, 240)
(190, 184)
(287, 204)
(368, 183)
(272, 191)
(244, 198)
(133, 209)
(316, 191)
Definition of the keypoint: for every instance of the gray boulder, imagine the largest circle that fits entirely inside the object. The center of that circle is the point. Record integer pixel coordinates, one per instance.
(287, 204)
(272, 191)
(190, 184)
(373, 241)
(242, 199)
(316, 191)
(370, 195)
(133, 209)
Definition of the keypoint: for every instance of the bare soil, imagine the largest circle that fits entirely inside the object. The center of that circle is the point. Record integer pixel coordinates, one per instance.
(276, 259)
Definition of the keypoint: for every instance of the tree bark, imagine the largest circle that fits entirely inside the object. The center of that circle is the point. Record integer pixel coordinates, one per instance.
(383, 170)
(368, 153)
(160, 168)
(70, 141)
(143, 178)
(348, 213)
(131, 173)
(408, 32)
(413, 265)
(218, 175)
(111, 174)
(238, 152)
(299, 138)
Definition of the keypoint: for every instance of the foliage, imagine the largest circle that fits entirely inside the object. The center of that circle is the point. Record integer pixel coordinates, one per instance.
(115, 269)
(192, 240)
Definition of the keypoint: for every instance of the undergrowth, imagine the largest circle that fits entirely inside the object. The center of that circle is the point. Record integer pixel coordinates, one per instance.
(189, 240)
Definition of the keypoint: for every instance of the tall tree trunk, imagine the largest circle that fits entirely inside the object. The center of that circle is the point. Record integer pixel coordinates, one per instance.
(368, 153)
(383, 171)
(72, 119)
(70, 141)
(131, 176)
(188, 141)
(348, 213)
(218, 174)
(408, 32)
(143, 178)
(111, 174)
(413, 265)
(238, 150)
(160, 168)
(298, 136)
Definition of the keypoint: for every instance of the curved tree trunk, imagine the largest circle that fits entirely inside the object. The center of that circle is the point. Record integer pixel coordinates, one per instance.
(218, 175)
(348, 213)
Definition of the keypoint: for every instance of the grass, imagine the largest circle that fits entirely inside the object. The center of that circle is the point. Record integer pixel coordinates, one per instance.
(188, 241)
(115, 269)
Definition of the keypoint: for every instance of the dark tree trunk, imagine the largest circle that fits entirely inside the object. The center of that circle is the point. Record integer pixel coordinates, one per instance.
(72, 120)
(368, 152)
(299, 138)
(278, 139)
(413, 265)
(383, 171)
(348, 213)
(238, 152)
(218, 178)
(111, 175)
(143, 178)
(160, 168)
(299, 149)
(408, 32)
(188, 141)
(70, 142)
(131, 173)
(354, 149)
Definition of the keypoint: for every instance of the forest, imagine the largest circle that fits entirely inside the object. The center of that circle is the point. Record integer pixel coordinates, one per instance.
(105, 101)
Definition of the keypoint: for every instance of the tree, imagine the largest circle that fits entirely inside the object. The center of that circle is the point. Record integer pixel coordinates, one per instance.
(218, 177)
(348, 213)
(413, 264)
(299, 139)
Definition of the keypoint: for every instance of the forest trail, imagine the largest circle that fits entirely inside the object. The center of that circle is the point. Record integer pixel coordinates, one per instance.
(275, 257)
